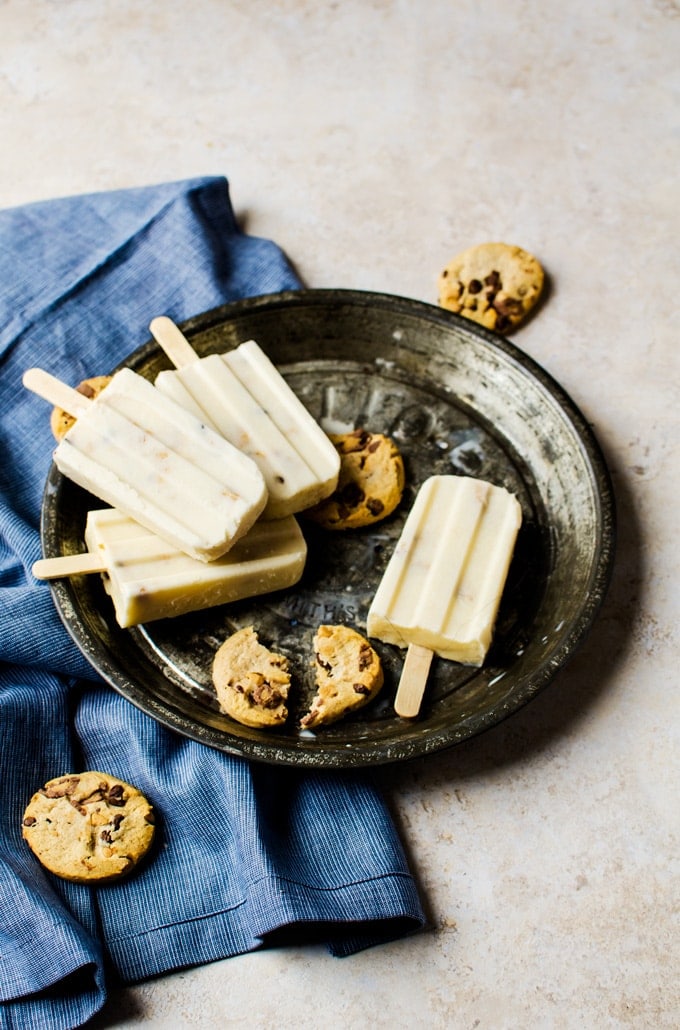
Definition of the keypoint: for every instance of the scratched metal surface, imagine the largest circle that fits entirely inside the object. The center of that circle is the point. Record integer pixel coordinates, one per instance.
(456, 399)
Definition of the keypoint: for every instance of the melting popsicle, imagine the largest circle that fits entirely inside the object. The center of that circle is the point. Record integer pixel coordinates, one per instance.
(142, 453)
(243, 396)
(442, 586)
(147, 578)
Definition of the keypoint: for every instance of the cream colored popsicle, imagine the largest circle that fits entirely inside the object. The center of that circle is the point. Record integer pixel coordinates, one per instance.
(142, 453)
(150, 579)
(442, 586)
(243, 396)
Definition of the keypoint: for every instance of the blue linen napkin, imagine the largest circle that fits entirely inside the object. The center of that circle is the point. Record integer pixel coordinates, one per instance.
(246, 853)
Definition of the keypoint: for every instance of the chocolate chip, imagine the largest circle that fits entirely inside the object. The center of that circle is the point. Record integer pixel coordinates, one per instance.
(375, 505)
(326, 666)
(30, 820)
(360, 688)
(509, 306)
(98, 794)
(266, 696)
(474, 286)
(351, 494)
(105, 835)
(116, 796)
(365, 657)
(62, 788)
(493, 279)
(355, 441)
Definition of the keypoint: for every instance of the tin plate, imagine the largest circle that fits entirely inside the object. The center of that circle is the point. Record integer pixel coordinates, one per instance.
(456, 399)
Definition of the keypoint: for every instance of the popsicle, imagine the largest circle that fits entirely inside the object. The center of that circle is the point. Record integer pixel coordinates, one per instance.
(243, 396)
(147, 578)
(443, 583)
(142, 453)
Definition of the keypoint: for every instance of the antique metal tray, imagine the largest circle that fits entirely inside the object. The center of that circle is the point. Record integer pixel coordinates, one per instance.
(456, 399)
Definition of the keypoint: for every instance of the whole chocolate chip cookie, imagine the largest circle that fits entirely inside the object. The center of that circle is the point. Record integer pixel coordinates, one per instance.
(88, 827)
(370, 483)
(60, 420)
(251, 682)
(349, 674)
(495, 284)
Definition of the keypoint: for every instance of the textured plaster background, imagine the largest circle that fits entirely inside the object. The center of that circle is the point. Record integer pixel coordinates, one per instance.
(373, 140)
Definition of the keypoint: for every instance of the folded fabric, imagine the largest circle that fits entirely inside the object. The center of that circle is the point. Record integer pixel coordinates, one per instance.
(246, 855)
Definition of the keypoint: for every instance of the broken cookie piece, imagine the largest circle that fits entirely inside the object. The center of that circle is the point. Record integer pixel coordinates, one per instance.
(251, 682)
(370, 483)
(494, 284)
(348, 675)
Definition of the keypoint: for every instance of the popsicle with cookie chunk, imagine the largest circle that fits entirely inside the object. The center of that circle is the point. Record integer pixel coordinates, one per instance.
(443, 583)
(144, 454)
(243, 396)
(148, 579)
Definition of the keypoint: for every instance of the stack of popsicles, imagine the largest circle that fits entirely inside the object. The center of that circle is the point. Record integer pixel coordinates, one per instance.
(244, 398)
(204, 472)
(202, 504)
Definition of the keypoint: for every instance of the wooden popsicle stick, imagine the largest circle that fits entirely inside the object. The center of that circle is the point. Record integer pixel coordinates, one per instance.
(173, 341)
(412, 681)
(68, 565)
(53, 390)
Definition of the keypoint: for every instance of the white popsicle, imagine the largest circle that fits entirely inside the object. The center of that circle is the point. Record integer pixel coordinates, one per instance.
(243, 396)
(442, 586)
(149, 579)
(146, 455)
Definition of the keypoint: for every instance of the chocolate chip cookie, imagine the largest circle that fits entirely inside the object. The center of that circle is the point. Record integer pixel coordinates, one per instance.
(88, 827)
(60, 420)
(349, 674)
(370, 483)
(495, 284)
(251, 682)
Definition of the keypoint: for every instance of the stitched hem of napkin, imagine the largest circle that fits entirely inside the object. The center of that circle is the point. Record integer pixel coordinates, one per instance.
(356, 916)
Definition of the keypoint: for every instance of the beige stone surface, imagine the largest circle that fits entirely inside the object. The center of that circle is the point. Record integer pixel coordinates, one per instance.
(373, 140)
